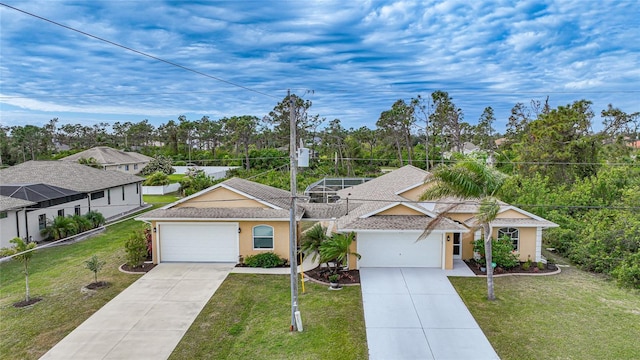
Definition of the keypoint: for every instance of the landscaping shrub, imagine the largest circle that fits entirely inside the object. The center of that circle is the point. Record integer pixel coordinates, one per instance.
(541, 265)
(136, 248)
(264, 260)
(94, 265)
(158, 178)
(502, 252)
(160, 163)
(628, 273)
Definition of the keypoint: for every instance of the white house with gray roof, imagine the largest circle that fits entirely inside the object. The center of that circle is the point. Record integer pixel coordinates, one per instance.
(35, 191)
(113, 159)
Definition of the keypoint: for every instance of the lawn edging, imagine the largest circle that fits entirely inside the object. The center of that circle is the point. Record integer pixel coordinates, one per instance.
(524, 274)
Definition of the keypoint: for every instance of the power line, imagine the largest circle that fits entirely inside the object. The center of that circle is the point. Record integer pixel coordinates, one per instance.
(139, 52)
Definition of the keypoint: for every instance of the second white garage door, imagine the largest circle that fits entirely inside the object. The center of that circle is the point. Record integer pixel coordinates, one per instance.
(399, 249)
(199, 242)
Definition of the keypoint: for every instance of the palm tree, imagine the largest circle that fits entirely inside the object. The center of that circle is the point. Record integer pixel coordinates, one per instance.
(96, 218)
(337, 249)
(19, 248)
(60, 227)
(82, 223)
(469, 178)
(312, 239)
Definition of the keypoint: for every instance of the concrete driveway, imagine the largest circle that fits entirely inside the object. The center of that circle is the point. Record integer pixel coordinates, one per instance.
(415, 313)
(148, 319)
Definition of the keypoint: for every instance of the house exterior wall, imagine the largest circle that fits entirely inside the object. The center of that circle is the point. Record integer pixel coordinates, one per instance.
(415, 193)
(280, 238)
(32, 228)
(112, 203)
(448, 251)
(8, 228)
(512, 214)
(245, 237)
(527, 247)
(400, 210)
(224, 197)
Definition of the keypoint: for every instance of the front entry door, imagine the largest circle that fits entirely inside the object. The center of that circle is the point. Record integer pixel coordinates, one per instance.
(457, 246)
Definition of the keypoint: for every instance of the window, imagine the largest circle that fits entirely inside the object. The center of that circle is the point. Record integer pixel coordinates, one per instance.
(61, 212)
(126, 168)
(122, 193)
(263, 237)
(135, 166)
(138, 188)
(97, 195)
(76, 210)
(42, 221)
(109, 196)
(3, 214)
(511, 233)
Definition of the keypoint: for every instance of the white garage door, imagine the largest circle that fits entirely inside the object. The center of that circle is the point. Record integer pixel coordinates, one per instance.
(399, 250)
(199, 242)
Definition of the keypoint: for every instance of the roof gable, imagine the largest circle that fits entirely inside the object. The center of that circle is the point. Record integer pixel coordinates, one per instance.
(399, 208)
(222, 197)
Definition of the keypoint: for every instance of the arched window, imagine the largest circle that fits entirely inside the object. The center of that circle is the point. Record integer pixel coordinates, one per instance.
(263, 237)
(513, 234)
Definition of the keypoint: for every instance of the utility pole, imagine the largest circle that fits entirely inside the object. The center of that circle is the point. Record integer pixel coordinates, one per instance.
(293, 243)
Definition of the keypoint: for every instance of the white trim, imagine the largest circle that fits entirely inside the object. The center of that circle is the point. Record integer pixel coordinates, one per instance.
(395, 231)
(253, 238)
(523, 212)
(538, 244)
(410, 187)
(214, 187)
(419, 209)
(443, 246)
(209, 219)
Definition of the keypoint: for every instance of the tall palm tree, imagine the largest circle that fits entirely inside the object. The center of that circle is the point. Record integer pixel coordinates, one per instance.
(469, 178)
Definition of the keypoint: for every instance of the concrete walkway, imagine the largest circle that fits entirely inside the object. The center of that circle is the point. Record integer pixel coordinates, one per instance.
(148, 319)
(415, 313)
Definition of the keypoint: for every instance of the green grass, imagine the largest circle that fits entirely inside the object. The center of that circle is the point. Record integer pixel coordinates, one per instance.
(174, 178)
(249, 318)
(573, 315)
(56, 275)
(160, 200)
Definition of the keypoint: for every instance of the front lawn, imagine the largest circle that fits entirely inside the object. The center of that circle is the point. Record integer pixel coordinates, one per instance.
(573, 315)
(249, 318)
(56, 275)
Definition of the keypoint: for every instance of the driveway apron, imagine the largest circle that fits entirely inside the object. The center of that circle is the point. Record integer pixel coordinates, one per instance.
(147, 319)
(415, 313)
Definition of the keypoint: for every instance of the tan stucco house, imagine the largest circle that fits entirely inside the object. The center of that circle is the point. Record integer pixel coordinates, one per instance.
(238, 218)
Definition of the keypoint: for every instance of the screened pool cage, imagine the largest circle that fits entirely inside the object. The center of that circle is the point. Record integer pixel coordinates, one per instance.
(325, 190)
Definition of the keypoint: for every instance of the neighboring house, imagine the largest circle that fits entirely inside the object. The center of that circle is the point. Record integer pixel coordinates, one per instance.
(11, 218)
(238, 218)
(235, 218)
(391, 218)
(35, 191)
(112, 159)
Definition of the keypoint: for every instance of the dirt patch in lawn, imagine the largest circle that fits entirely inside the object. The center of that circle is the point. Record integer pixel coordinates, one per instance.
(520, 269)
(25, 303)
(97, 285)
(321, 274)
(137, 269)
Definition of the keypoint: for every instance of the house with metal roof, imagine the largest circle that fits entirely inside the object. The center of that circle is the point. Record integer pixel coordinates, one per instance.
(113, 159)
(36, 191)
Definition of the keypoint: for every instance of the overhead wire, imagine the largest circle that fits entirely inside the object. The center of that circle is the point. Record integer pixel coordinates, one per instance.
(138, 51)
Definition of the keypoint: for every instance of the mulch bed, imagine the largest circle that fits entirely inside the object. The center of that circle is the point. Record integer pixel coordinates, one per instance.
(138, 269)
(25, 303)
(347, 277)
(97, 285)
(475, 267)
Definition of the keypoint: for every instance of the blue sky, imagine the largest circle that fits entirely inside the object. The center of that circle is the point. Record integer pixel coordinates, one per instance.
(352, 59)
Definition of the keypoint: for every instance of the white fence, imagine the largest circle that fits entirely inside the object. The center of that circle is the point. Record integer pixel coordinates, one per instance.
(160, 190)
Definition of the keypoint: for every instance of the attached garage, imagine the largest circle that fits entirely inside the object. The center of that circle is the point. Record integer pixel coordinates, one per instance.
(399, 249)
(198, 242)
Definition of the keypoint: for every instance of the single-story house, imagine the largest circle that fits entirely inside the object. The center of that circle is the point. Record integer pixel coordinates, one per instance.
(35, 191)
(113, 159)
(238, 218)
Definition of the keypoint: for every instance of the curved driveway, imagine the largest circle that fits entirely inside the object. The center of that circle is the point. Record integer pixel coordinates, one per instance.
(415, 313)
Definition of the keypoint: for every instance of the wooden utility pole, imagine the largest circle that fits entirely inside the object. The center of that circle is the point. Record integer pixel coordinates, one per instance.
(293, 243)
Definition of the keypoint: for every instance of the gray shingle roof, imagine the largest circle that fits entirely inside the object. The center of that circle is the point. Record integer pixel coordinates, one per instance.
(402, 222)
(68, 175)
(275, 196)
(105, 155)
(216, 213)
(386, 186)
(8, 203)
(324, 211)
